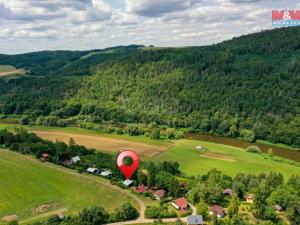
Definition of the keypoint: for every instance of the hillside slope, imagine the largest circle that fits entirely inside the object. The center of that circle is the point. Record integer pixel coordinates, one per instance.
(247, 87)
(27, 185)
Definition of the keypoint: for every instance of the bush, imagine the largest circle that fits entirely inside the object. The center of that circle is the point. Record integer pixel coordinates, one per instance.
(248, 135)
(62, 123)
(125, 212)
(179, 135)
(154, 212)
(24, 120)
(94, 216)
(133, 130)
(253, 149)
(170, 133)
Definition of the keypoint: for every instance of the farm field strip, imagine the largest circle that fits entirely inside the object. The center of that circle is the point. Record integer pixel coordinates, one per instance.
(103, 143)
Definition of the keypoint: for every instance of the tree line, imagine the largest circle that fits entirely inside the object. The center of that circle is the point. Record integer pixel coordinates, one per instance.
(245, 88)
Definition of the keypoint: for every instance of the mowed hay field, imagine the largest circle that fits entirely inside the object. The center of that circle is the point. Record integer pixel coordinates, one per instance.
(103, 143)
(29, 187)
(230, 160)
(6, 70)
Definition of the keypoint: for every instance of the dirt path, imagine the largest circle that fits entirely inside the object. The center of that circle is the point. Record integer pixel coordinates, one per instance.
(41, 216)
(143, 220)
(103, 143)
(219, 156)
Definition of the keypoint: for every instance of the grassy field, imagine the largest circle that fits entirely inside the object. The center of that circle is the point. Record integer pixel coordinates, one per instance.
(230, 160)
(6, 70)
(9, 124)
(27, 184)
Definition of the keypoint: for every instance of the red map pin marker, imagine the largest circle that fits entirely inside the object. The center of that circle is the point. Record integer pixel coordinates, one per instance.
(128, 171)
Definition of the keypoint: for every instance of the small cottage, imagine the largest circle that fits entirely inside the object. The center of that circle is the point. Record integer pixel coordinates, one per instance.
(45, 157)
(159, 194)
(228, 191)
(180, 204)
(217, 210)
(92, 170)
(128, 183)
(141, 189)
(75, 159)
(106, 173)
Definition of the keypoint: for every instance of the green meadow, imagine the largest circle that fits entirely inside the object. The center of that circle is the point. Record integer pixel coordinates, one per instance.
(26, 184)
(230, 160)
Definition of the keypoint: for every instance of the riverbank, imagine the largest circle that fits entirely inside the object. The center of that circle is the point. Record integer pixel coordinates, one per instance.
(277, 149)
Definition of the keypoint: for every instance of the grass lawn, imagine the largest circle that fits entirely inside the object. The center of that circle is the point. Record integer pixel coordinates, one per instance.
(235, 159)
(26, 184)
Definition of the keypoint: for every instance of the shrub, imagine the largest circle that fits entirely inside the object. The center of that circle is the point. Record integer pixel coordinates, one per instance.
(24, 120)
(154, 212)
(133, 130)
(62, 123)
(179, 135)
(125, 212)
(248, 135)
(253, 149)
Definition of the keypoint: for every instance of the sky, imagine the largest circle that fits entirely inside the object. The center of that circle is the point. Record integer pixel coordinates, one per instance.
(35, 25)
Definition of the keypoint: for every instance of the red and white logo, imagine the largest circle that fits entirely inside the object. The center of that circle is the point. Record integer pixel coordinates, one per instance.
(286, 15)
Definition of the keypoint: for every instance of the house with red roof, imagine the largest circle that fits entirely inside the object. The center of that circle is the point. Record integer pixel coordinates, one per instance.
(45, 157)
(180, 204)
(216, 210)
(141, 189)
(159, 194)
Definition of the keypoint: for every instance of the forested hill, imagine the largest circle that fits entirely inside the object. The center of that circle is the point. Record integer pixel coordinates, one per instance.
(247, 87)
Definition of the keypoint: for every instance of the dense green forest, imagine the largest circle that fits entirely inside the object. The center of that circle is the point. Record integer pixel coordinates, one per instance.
(247, 87)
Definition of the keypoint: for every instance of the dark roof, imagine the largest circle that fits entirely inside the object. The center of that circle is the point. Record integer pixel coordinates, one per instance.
(195, 220)
(181, 202)
(160, 193)
(217, 209)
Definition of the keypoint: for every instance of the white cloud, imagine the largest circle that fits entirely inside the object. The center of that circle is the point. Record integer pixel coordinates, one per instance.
(29, 25)
(31, 10)
(155, 8)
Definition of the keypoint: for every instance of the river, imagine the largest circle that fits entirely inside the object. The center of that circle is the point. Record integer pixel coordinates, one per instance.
(278, 151)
